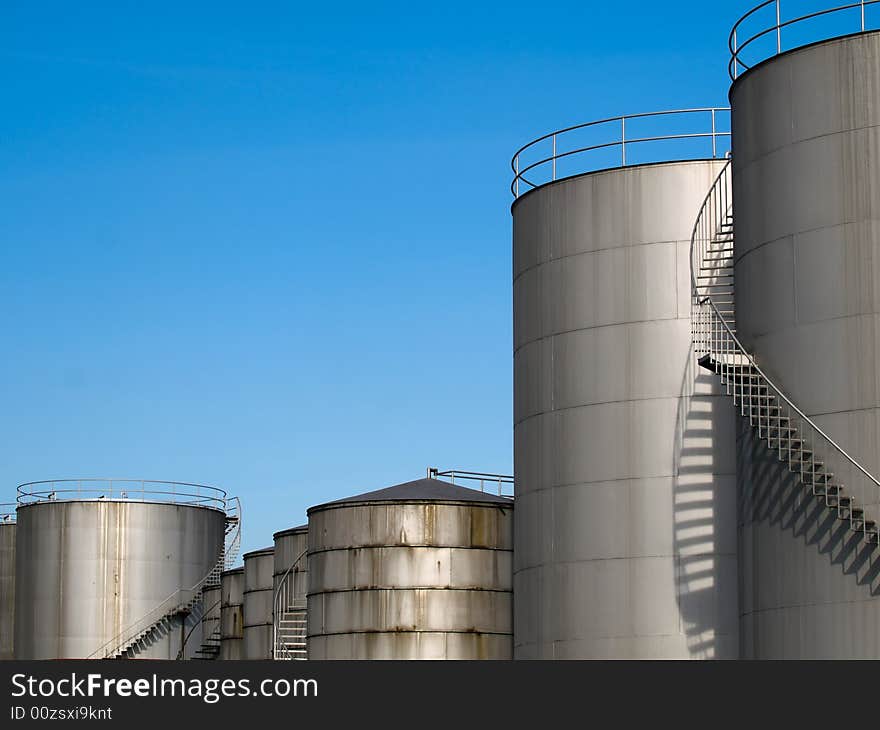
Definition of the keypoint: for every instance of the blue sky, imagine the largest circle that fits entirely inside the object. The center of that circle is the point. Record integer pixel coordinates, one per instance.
(267, 246)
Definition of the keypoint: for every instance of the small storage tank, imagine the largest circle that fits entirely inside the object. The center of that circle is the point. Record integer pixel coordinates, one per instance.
(231, 614)
(97, 565)
(7, 579)
(210, 646)
(290, 585)
(421, 570)
(259, 567)
(291, 546)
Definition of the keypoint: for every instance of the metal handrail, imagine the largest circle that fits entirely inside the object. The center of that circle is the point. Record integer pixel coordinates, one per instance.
(138, 490)
(736, 47)
(620, 140)
(7, 512)
(181, 599)
(778, 392)
(733, 347)
(478, 476)
(280, 610)
(181, 654)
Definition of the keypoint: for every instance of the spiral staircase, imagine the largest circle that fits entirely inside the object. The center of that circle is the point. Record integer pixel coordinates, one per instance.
(290, 617)
(181, 604)
(789, 434)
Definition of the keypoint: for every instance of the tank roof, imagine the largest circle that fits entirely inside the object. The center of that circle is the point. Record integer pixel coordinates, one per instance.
(261, 551)
(290, 531)
(232, 571)
(421, 490)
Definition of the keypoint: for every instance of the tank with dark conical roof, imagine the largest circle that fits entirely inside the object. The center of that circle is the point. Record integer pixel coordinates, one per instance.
(421, 570)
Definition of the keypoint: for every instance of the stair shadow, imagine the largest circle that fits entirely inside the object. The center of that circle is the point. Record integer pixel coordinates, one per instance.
(703, 517)
(771, 494)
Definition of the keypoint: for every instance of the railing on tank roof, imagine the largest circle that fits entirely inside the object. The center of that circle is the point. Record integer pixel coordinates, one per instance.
(7, 512)
(500, 484)
(136, 490)
(683, 121)
(766, 20)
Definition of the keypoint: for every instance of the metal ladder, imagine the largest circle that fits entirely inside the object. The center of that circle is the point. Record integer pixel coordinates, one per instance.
(290, 617)
(180, 604)
(790, 435)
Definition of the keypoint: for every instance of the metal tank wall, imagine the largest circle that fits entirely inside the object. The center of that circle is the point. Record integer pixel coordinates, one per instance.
(7, 589)
(806, 171)
(88, 570)
(424, 576)
(259, 566)
(210, 630)
(291, 545)
(232, 614)
(623, 449)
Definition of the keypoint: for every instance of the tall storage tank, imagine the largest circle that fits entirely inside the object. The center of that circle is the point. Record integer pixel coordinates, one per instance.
(259, 566)
(232, 614)
(806, 172)
(623, 451)
(421, 570)
(290, 584)
(7, 579)
(92, 573)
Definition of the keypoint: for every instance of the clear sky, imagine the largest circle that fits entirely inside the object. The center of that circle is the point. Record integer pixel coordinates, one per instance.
(267, 245)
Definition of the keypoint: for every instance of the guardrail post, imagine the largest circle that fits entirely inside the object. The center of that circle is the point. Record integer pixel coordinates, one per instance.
(516, 179)
(554, 157)
(862, 8)
(735, 56)
(623, 139)
(714, 145)
(778, 29)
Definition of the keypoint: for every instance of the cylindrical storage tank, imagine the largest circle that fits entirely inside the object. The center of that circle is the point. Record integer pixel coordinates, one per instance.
(210, 629)
(7, 580)
(89, 572)
(291, 547)
(259, 566)
(623, 449)
(232, 614)
(806, 171)
(291, 569)
(422, 570)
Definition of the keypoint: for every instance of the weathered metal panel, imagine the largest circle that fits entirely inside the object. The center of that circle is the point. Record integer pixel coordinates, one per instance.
(412, 645)
(623, 450)
(291, 545)
(88, 570)
(7, 589)
(806, 171)
(232, 614)
(410, 581)
(211, 615)
(258, 594)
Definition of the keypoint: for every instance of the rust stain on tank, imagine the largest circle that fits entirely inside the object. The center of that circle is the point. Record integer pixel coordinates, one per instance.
(483, 522)
(429, 517)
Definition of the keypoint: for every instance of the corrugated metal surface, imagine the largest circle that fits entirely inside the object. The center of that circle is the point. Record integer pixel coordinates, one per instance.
(411, 578)
(232, 614)
(88, 570)
(259, 566)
